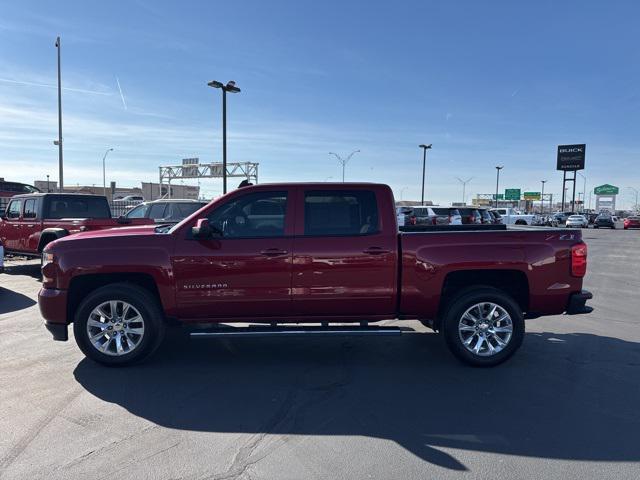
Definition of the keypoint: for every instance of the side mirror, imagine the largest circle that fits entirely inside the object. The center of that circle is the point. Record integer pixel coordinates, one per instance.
(204, 231)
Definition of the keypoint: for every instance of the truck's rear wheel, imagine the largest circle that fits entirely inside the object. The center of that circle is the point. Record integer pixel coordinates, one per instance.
(483, 326)
(118, 325)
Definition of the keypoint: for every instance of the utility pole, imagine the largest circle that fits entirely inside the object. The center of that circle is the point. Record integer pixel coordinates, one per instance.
(59, 142)
(542, 197)
(104, 172)
(464, 187)
(498, 168)
(424, 148)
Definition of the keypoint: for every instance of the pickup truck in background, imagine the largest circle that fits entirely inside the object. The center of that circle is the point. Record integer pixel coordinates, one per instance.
(510, 216)
(317, 254)
(33, 220)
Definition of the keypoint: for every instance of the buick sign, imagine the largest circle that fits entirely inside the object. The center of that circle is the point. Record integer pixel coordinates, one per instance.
(571, 157)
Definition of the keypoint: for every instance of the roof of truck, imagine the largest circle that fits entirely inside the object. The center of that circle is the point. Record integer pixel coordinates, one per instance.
(56, 194)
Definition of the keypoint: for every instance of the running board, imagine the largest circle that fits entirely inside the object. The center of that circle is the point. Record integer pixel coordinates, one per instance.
(297, 331)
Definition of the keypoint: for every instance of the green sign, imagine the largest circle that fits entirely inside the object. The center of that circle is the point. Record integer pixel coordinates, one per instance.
(532, 195)
(606, 189)
(500, 196)
(512, 194)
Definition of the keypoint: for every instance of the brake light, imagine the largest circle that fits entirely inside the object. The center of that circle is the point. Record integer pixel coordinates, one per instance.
(579, 260)
(434, 221)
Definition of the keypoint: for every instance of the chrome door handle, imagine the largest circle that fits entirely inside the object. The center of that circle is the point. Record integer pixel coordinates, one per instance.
(375, 251)
(273, 252)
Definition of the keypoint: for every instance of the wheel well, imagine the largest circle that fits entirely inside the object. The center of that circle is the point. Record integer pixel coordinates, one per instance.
(513, 282)
(82, 285)
(521, 222)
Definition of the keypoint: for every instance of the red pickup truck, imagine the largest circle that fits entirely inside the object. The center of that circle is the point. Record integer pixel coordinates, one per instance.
(281, 255)
(33, 220)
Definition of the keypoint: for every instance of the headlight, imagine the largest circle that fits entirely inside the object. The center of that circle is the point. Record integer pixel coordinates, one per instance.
(47, 258)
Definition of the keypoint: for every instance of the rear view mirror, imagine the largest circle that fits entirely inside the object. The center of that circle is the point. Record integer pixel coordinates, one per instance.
(204, 231)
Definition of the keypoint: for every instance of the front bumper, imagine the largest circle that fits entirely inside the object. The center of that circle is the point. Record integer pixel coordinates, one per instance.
(578, 303)
(53, 308)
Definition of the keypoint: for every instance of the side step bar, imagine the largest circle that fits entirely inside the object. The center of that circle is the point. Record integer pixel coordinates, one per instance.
(312, 331)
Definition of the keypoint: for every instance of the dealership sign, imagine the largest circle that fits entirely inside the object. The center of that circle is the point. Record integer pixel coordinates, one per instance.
(606, 189)
(532, 195)
(512, 194)
(571, 157)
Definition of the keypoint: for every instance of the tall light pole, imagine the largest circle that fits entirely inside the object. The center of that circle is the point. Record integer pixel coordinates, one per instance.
(542, 197)
(464, 188)
(344, 161)
(498, 168)
(104, 171)
(636, 192)
(231, 88)
(584, 189)
(59, 141)
(424, 166)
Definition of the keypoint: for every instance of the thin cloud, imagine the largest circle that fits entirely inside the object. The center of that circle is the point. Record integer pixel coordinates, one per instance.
(124, 103)
(47, 85)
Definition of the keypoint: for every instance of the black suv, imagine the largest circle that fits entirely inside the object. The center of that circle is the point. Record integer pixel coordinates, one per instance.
(604, 221)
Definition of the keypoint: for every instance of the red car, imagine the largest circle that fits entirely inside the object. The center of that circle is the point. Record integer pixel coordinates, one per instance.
(281, 255)
(632, 222)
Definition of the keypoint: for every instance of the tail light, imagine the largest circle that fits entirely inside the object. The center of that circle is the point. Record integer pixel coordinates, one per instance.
(579, 260)
(434, 221)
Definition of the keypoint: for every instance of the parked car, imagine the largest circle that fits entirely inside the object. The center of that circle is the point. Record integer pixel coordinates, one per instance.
(306, 253)
(579, 221)
(405, 216)
(1, 258)
(497, 219)
(436, 216)
(511, 216)
(604, 221)
(165, 211)
(470, 216)
(32, 221)
(632, 222)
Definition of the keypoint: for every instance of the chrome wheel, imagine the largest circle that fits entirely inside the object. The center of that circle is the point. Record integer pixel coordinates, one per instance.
(485, 329)
(115, 328)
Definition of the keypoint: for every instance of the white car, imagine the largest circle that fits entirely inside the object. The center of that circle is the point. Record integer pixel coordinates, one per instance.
(510, 216)
(579, 221)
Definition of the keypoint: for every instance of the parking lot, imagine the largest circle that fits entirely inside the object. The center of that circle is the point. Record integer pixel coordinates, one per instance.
(566, 405)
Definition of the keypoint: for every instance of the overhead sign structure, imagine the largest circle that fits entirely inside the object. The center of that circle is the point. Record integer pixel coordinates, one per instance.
(512, 194)
(606, 189)
(532, 195)
(571, 157)
(500, 196)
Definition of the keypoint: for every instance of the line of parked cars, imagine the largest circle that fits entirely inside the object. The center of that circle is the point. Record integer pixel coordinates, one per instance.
(437, 215)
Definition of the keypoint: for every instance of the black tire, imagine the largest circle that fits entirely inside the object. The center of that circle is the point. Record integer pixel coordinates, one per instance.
(464, 300)
(148, 307)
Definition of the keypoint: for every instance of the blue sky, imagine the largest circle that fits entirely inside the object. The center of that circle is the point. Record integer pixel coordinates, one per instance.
(486, 83)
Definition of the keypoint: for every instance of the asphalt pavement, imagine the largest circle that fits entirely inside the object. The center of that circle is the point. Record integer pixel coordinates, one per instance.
(567, 405)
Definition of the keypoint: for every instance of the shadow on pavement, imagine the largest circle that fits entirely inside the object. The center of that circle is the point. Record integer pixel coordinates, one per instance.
(11, 301)
(563, 396)
(30, 269)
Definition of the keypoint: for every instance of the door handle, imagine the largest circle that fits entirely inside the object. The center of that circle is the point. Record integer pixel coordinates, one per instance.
(273, 252)
(375, 251)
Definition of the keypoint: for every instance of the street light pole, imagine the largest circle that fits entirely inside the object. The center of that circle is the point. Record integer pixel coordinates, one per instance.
(59, 143)
(636, 192)
(231, 88)
(542, 197)
(464, 188)
(584, 190)
(498, 181)
(104, 172)
(424, 166)
(344, 161)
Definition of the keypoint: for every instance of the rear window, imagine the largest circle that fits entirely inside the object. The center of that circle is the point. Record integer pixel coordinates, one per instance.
(634, 218)
(77, 207)
(340, 212)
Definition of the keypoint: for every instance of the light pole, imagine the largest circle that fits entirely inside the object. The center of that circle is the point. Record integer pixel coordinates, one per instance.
(231, 88)
(498, 168)
(584, 189)
(104, 172)
(424, 166)
(402, 192)
(636, 192)
(344, 161)
(542, 197)
(48, 184)
(59, 141)
(464, 188)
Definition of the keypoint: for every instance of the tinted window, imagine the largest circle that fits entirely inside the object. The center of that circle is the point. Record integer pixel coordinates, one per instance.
(17, 187)
(183, 210)
(254, 215)
(29, 209)
(14, 209)
(137, 212)
(340, 212)
(78, 207)
(156, 210)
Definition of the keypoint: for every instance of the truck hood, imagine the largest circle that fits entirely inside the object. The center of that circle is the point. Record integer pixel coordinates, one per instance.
(115, 232)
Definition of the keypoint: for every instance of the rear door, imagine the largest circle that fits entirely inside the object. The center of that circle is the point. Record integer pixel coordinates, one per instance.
(344, 261)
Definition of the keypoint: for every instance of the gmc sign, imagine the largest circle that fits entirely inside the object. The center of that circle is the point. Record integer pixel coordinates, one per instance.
(571, 157)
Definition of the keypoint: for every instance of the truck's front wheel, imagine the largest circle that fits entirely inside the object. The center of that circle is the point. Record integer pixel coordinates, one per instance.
(483, 326)
(118, 324)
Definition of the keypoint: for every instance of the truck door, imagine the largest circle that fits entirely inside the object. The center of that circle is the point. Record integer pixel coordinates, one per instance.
(247, 271)
(344, 261)
(11, 225)
(30, 226)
